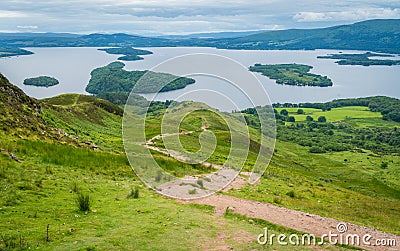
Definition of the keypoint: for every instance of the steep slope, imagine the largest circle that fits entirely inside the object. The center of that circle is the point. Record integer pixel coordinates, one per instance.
(67, 119)
(89, 120)
(20, 115)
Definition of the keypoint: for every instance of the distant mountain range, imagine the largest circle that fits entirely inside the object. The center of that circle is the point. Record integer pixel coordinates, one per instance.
(381, 35)
(214, 35)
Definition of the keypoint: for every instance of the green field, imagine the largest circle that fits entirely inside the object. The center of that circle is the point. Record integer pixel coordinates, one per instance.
(336, 114)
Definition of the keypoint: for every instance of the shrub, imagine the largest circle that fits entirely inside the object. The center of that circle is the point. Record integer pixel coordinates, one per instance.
(83, 202)
(322, 119)
(291, 194)
(317, 149)
(284, 112)
(200, 183)
(159, 176)
(291, 119)
(134, 193)
(74, 187)
(277, 200)
(384, 165)
(193, 191)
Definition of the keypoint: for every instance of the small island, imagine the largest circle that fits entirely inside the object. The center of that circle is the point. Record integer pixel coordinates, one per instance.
(362, 59)
(130, 54)
(11, 51)
(292, 74)
(42, 81)
(113, 78)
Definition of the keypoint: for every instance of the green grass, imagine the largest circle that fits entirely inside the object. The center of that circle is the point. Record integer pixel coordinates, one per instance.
(349, 186)
(38, 192)
(216, 124)
(336, 114)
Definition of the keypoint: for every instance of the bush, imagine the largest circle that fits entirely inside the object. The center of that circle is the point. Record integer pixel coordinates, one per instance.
(277, 200)
(384, 165)
(74, 187)
(284, 112)
(83, 202)
(309, 118)
(291, 194)
(291, 119)
(317, 149)
(193, 191)
(134, 193)
(159, 175)
(200, 183)
(322, 119)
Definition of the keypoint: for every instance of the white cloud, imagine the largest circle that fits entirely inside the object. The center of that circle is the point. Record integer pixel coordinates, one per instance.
(29, 27)
(182, 16)
(354, 15)
(11, 14)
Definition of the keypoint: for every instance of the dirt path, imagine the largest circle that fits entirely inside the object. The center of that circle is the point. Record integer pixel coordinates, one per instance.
(309, 223)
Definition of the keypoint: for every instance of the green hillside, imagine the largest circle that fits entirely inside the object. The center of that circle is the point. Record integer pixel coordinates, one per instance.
(39, 192)
(382, 35)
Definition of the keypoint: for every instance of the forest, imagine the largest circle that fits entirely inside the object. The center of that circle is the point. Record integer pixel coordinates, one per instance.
(113, 78)
(363, 59)
(42, 81)
(292, 74)
(322, 135)
(130, 54)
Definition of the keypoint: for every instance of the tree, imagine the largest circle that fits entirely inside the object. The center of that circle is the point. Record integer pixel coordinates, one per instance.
(309, 118)
(284, 112)
(300, 111)
(291, 119)
(321, 119)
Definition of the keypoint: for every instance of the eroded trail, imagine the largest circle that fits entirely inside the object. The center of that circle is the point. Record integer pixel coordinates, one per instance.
(309, 223)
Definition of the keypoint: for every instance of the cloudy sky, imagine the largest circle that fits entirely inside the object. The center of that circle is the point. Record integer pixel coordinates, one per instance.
(154, 17)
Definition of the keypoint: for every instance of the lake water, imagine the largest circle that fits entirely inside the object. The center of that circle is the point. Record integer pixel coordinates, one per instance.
(72, 67)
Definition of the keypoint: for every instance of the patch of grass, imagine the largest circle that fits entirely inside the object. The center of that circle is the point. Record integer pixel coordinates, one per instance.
(83, 202)
(134, 193)
(291, 194)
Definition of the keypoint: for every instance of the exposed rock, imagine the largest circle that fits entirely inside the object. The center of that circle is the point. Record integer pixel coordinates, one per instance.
(12, 156)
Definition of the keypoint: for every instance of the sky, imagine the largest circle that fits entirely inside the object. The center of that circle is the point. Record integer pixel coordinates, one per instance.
(161, 17)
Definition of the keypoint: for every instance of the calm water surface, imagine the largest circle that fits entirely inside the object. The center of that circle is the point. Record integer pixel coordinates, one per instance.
(72, 67)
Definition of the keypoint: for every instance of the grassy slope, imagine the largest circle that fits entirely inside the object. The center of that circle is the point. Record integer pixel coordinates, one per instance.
(39, 191)
(349, 185)
(41, 188)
